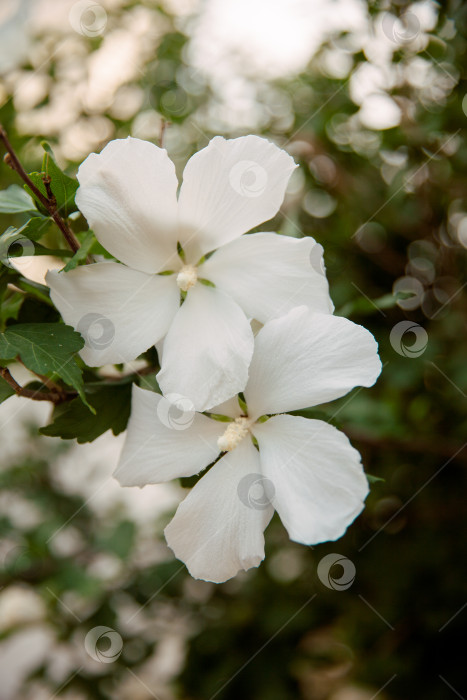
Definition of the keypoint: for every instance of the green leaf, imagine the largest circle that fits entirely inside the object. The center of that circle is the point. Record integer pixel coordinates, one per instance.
(36, 290)
(112, 406)
(374, 479)
(62, 186)
(35, 228)
(19, 242)
(7, 350)
(219, 417)
(39, 249)
(207, 283)
(242, 404)
(14, 245)
(14, 200)
(9, 300)
(45, 348)
(38, 181)
(10, 308)
(120, 540)
(35, 309)
(314, 413)
(47, 148)
(7, 276)
(5, 390)
(363, 306)
(180, 251)
(81, 254)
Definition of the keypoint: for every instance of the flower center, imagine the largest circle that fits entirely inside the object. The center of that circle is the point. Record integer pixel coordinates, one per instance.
(187, 277)
(234, 434)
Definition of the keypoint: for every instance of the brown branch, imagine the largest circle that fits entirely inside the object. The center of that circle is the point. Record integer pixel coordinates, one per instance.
(53, 395)
(49, 202)
(49, 383)
(50, 195)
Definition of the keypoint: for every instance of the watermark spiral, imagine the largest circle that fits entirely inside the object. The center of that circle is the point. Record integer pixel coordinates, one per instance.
(247, 178)
(401, 342)
(256, 491)
(176, 411)
(329, 575)
(88, 18)
(105, 652)
(401, 30)
(97, 330)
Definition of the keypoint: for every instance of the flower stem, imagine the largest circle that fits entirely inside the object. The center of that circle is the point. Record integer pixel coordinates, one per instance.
(48, 202)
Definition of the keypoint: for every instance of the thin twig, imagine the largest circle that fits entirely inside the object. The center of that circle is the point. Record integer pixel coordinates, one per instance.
(46, 381)
(48, 203)
(52, 395)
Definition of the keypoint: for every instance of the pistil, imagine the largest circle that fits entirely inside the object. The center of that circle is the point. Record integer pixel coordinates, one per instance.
(187, 277)
(234, 434)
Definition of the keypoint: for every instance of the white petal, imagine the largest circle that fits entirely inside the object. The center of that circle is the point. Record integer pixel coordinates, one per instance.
(305, 359)
(268, 274)
(230, 408)
(119, 312)
(318, 482)
(128, 195)
(207, 349)
(217, 529)
(165, 440)
(228, 188)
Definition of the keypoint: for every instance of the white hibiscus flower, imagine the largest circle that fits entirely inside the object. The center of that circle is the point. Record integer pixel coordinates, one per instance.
(128, 194)
(306, 468)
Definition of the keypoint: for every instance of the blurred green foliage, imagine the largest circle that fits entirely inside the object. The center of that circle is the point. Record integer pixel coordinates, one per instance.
(386, 206)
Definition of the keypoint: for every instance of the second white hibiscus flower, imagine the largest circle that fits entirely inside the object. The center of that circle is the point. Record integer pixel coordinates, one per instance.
(315, 478)
(128, 193)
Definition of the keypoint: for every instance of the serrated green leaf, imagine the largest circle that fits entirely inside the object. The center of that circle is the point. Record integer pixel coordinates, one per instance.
(86, 244)
(14, 200)
(112, 406)
(46, 348)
